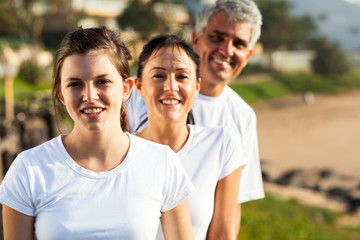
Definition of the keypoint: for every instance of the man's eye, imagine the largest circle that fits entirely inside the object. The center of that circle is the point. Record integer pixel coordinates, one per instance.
(216, 38)
(239, 45)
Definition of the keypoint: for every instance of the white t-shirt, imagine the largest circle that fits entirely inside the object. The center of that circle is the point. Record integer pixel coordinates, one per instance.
(228, 110)
(208, 155)
(71, 202)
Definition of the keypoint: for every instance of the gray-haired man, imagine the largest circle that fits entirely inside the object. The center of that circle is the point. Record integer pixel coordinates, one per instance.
(225, 33)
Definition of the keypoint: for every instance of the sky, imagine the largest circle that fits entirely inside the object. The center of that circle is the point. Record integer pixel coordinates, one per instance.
(339, 20)
(342, 21)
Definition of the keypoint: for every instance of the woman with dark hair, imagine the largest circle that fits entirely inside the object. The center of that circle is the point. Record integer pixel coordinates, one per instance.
(97, 181)
(168, 81)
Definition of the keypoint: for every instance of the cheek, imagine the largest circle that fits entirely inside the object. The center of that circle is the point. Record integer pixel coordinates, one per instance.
(190, 92)
(209, 46)
(243, 57)
(151, 89)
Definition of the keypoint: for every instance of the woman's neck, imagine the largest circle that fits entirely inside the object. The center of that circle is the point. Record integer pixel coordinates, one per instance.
(174, 135)
(97, 151)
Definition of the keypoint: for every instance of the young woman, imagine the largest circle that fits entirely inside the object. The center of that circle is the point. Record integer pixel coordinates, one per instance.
(168, 80)
(96, 182)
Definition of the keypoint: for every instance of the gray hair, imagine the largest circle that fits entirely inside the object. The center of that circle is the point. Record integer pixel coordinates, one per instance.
(238, 11)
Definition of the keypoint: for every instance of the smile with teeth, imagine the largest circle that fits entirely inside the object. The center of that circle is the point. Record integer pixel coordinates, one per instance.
(92, 111)
(170, 101)
(222, 62)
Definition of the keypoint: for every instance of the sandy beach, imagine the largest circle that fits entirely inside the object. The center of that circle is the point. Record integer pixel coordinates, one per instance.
(324, 134)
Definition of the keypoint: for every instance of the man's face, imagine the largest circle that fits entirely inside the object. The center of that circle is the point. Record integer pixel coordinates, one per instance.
(223, 49)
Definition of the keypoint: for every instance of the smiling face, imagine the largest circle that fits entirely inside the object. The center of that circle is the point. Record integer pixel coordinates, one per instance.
(223, 49)
(168, 85)
(92, 91)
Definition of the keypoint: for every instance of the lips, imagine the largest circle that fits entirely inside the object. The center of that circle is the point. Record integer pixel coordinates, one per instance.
(170, 101)
(92, 111)
(224, 63)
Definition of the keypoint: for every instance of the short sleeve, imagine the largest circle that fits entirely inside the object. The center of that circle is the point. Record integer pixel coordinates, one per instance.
(233, 155)
(251, 184)
(15, 190)
(179, 185)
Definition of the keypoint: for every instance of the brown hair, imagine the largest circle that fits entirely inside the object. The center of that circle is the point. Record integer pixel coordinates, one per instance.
(82, 41)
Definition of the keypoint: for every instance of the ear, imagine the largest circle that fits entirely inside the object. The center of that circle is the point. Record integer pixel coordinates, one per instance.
(59, 95)
(128, 85)
(138, 86)
(197, 87)
(249, 55)
(61, 98)
(195, 39)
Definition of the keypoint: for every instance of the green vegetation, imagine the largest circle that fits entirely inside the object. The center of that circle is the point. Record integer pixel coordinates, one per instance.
(282, 85)
(254, 69)
(30, 72)
(254, 92)
(318, 83)
(142, 17)
(272, 218)
(25, 93)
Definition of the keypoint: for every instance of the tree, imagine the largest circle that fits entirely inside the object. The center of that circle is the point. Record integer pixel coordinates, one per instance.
(280, 30)
(142, 18)
(16, 19)
(329, 59)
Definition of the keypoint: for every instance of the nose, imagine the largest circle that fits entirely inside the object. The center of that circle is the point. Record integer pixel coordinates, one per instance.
(90, 94)
(227, 48)
(171, 84)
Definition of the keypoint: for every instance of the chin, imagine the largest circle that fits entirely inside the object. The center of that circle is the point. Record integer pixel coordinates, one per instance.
(95, 128)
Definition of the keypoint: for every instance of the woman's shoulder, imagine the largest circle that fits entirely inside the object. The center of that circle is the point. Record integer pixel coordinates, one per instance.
(45, 150)
(143, 147)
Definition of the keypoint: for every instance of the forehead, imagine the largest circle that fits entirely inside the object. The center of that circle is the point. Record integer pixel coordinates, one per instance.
(222, 23)
(87, 65)
(171, 55)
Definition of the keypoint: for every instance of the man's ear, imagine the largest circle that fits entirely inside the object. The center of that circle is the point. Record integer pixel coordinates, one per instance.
(128, 85)
(195, 39)
(249, 55)
(138, 86)
(198, 83)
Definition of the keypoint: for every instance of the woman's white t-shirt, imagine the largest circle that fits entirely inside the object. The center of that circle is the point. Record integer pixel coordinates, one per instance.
(209, 155)
(71, 202)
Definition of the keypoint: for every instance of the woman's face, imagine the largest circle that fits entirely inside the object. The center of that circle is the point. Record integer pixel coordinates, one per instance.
(169, 85)
(92, 91)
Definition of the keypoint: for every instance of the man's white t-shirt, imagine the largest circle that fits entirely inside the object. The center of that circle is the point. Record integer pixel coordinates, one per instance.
(71, 202)
(228, 110)
(232, 111)
(209, 155)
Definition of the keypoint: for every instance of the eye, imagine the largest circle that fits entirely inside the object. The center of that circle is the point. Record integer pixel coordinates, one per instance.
(103, 81)
(159, 76)
(216, 38)
(74, 84)
(182, 76)
(240, 45)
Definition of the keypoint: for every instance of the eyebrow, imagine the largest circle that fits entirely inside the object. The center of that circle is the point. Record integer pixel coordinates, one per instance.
(158, 68)
(164, 69)
(97, 77)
